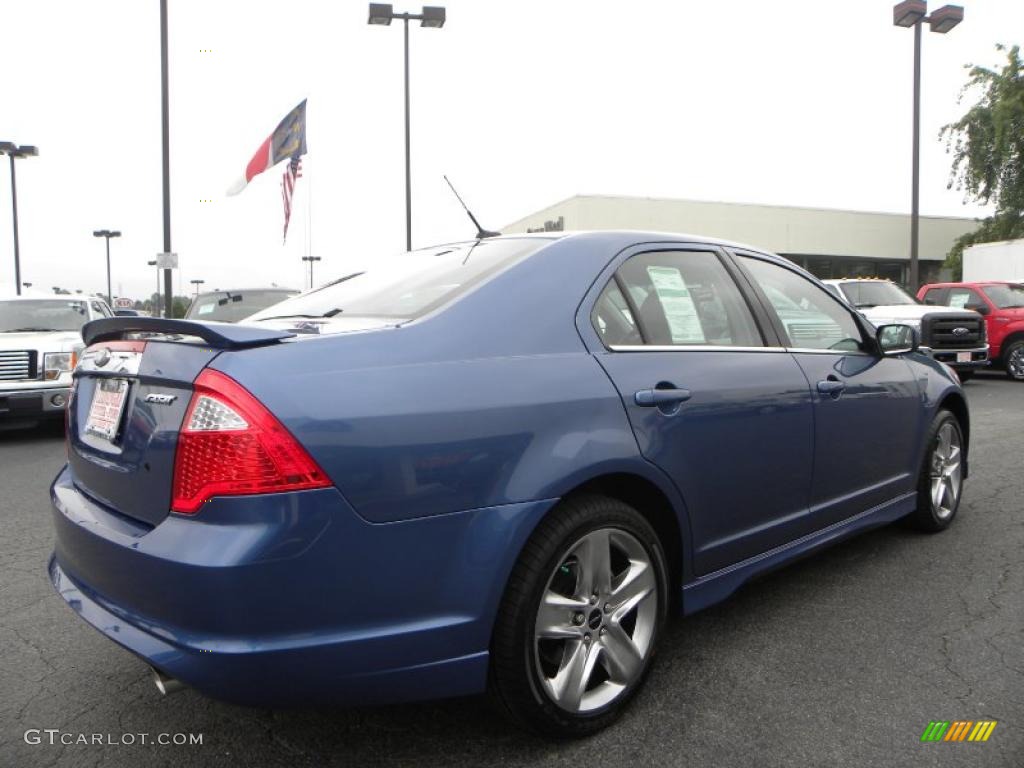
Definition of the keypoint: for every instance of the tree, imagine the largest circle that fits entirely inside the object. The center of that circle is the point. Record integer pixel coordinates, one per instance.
(987, 145)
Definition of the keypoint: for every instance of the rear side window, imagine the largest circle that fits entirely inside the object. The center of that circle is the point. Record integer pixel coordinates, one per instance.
(811, 317)
(677, 298)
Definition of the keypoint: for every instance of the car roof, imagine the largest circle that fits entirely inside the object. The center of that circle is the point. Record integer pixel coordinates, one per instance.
(978, 283)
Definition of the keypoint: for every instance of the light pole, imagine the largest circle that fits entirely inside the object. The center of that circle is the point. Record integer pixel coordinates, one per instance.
(15, 152)
(912, 13)
(166, 125)
(108, 233)
(156, 300)
(197, 283)
(434, 17)
(311, 259)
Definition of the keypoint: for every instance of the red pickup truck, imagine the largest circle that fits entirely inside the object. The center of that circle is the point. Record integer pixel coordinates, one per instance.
(1002, 305)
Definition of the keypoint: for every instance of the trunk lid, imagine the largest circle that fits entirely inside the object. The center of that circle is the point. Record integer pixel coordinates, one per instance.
(130, 399)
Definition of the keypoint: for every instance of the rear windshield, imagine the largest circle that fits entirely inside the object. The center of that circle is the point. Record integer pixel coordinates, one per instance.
(1005, 296)
(232, 306)
(42, 315)
(874, 293)
(409, 285)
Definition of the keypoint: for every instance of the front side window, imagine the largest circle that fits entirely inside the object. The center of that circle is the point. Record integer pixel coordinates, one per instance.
(811, 317)
(961, 298)
(680, 298)
(1005, 296)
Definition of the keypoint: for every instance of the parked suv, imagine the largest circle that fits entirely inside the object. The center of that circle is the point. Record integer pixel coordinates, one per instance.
(40, 338)
(956, 337)
(1001, 304)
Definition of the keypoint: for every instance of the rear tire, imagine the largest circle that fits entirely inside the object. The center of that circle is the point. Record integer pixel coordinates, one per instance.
(1013, 360)
(580, 619)
(940, 484)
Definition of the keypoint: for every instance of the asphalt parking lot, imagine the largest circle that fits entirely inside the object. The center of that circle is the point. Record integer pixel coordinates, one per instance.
(839, 660)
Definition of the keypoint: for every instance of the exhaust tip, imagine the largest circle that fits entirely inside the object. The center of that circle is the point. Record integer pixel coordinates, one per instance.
(166, 684)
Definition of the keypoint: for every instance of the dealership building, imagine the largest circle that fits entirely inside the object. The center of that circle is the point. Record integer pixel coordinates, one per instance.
(828, 243)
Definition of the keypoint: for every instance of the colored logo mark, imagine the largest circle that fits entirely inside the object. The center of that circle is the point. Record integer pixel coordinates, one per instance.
(958, 730)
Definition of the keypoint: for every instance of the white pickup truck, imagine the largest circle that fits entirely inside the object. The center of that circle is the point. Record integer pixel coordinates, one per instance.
(40, 339)
(953, 336)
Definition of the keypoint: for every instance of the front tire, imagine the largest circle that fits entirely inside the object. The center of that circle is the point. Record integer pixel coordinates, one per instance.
(580, 618)
(940, 484)
(1013, 356)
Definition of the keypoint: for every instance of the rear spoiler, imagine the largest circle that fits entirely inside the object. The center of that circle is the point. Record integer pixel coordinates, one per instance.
(217, 335)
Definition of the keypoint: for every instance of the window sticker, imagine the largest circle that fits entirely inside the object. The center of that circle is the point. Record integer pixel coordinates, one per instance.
(680, 311)
(205, 309)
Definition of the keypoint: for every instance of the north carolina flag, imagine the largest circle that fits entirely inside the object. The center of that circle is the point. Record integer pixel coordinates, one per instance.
(287, 141)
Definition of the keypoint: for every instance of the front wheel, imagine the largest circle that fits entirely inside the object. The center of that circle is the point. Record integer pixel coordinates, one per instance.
(941, 480)
(580, 618)
(1014, 357)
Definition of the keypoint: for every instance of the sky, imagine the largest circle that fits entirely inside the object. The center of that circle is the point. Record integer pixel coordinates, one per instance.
(522, 104)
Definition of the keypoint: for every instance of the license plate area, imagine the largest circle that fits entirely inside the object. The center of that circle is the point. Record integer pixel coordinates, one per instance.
(963, 357)
(107, 407)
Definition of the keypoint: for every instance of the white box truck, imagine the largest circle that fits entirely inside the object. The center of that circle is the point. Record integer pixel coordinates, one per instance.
(1002, 261)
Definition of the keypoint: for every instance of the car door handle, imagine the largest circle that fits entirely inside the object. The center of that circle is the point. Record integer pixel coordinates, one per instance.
(832, 387)
(648, 398)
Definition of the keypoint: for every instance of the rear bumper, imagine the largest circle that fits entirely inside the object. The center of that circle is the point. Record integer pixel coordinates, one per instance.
(33, 403)
(293, 598)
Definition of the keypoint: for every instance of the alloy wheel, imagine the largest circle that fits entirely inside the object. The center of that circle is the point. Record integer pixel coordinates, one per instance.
(596, 621)
(946, 473)
(1015, 362)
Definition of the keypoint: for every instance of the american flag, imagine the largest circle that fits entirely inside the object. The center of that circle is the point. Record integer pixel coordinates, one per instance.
(292, 172)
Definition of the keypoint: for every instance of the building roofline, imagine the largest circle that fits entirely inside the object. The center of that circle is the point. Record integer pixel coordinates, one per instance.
(745, 205)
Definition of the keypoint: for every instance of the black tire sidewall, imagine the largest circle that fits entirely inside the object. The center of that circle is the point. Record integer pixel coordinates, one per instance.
(518, 683)
(1006, 356)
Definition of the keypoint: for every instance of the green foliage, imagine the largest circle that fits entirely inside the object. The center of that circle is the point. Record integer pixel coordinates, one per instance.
(987, 145)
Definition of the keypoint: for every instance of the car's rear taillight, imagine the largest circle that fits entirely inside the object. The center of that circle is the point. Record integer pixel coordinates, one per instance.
(231, 445)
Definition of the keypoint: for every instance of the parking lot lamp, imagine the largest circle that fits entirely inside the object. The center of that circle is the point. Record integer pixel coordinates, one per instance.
(13, 151)
(311, 259)
(433, 17)
(108, 233)
(913, 13)
(197, 283)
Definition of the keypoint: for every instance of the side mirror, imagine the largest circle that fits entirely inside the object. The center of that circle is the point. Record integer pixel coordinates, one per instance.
(897, 339)
(981, 309)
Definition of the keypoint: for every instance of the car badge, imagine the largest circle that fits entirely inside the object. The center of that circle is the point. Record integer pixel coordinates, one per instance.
(102, 357)
(960, 331)
(161, 399)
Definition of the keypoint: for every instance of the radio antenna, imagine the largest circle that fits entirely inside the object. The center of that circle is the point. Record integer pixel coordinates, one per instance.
(481, 233)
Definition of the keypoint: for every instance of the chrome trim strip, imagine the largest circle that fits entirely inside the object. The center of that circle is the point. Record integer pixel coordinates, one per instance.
(688, 348)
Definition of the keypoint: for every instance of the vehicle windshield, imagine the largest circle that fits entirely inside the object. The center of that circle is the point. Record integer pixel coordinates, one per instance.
(42, 315)
(409, 285)
(1005, 296)
(232, 306)
(875, 293)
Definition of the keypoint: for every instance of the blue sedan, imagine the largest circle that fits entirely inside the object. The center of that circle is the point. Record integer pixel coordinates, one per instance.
(494, 466)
